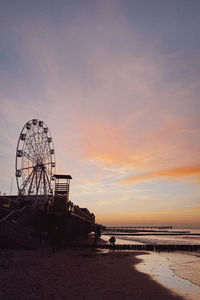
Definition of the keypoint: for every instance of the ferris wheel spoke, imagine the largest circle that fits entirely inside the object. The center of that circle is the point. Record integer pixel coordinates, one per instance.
(27, 162)
(46, 156)
(40, 148)
(49, 163)
(28, 168)
(33, 148)
(29, 143)
(31, 151)
(44, 150)
(38, 184)
(28, 156)
(49, 183)
(49, 172)
(44, 183)
(31, 183)
(26, 181)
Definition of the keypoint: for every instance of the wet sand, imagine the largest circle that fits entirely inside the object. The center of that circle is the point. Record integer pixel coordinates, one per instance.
(75, 274)
(177, 271)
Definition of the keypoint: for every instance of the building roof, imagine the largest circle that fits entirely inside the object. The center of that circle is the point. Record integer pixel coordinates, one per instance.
(61, 176)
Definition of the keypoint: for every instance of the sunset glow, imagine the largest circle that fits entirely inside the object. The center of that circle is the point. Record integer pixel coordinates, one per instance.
(118, 84)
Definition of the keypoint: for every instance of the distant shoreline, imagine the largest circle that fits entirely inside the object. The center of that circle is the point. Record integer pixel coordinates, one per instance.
(153, 233)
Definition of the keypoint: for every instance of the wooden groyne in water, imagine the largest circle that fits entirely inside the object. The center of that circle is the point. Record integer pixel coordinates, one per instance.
(127, 228)
(154, 248)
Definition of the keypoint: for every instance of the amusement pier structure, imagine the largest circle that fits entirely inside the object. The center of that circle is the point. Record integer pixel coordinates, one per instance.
(43, 201)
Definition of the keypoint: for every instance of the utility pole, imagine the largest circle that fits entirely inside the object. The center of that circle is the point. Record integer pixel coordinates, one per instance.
(11, 186)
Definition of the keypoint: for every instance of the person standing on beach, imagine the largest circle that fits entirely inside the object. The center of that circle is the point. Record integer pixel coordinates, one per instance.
(112, 241)
(56, 239)
(95, 238)
(97, 234)
(43, 238)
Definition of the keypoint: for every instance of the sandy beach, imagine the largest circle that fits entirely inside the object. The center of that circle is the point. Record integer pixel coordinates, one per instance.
(75, 274)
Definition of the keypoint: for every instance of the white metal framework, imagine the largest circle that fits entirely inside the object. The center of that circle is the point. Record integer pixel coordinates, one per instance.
(35, 159)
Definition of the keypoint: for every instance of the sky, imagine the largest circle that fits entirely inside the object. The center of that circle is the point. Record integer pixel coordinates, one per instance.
(118, 84)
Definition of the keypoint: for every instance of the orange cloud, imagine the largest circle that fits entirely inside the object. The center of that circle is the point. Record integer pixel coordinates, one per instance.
(175, 172)
(127, 144)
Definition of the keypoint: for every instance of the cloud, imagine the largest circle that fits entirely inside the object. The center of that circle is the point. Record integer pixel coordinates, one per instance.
(170, 173)
(128, 145)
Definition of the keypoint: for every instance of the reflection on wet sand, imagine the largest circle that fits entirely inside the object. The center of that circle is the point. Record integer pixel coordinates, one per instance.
(177, 271)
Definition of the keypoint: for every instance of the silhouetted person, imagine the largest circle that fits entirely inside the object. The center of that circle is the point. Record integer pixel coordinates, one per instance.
(56, 239)
(112, 241)
(99, 231)
(97, 234)
(95, 237)
(43, 238)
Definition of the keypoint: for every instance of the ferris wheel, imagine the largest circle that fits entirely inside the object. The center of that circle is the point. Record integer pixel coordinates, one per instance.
(35, 160)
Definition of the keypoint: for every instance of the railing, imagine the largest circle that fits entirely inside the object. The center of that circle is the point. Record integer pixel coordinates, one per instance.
(14, 212)
(61, 188)
(76, 211)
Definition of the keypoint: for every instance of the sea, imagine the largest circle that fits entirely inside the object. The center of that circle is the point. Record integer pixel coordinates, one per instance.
(178, 271)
